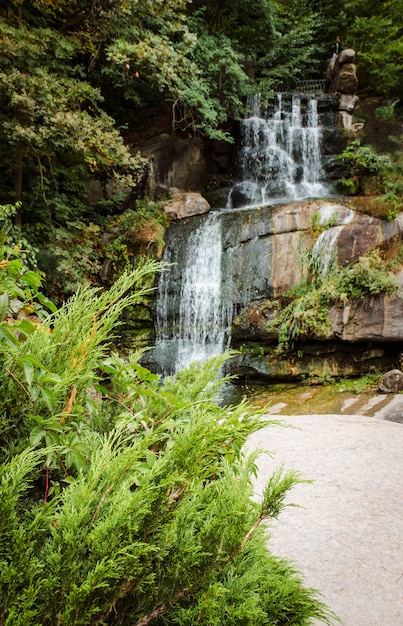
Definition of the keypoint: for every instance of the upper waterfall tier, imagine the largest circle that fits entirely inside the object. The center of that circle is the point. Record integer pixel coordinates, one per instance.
(280, 154)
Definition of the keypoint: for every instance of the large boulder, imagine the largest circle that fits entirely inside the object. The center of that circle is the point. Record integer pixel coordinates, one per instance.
(341, 74)
(185, 204)
(346, 56)
(347, 81)
(392, 382)
(377, 319)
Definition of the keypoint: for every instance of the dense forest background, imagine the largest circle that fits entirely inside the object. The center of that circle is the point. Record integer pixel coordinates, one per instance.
(84, 82)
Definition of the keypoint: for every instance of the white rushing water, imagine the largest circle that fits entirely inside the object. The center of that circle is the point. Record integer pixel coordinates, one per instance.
(325, 246)
(280, 157)
(199, 328)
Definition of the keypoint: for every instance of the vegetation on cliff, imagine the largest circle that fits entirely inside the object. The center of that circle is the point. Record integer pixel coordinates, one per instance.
(303, 311)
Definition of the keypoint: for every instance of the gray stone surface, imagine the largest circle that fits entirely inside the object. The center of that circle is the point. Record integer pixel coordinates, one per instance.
(346, 535)
(186, 204)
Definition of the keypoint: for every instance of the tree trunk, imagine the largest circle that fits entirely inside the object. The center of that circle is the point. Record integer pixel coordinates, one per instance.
(18, 181)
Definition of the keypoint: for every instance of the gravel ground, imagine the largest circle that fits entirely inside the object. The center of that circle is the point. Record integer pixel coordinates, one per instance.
(346, 535)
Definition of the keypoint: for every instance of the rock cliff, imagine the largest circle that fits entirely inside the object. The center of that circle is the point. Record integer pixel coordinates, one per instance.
(362, 333)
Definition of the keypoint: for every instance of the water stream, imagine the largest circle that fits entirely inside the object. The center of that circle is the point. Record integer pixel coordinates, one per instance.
(280, 155)
(279, 161)
(193, 322)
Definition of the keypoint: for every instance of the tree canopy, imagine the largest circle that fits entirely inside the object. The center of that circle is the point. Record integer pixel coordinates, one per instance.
(78, 81)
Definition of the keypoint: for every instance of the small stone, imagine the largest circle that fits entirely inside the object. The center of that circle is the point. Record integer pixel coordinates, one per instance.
(392, 382)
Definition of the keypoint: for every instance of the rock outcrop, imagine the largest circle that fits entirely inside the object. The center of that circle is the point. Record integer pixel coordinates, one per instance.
(341, 74)
(176, 162)
(341, 80)
(264, 244)
(185, 204)
(262, 247)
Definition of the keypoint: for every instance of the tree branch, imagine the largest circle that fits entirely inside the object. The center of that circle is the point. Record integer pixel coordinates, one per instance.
(160, 610)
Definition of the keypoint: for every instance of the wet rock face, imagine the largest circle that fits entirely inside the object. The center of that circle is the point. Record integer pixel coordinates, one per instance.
(261, 249)
(318, 362)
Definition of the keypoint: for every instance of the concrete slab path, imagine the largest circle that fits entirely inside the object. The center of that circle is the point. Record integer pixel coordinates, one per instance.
(346, 536)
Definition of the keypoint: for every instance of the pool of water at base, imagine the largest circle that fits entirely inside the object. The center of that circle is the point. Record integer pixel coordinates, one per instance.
(350, 397)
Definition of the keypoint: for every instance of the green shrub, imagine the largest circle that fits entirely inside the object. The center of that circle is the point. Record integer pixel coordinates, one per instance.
(125, 499)
(371, 173)
(366, 277)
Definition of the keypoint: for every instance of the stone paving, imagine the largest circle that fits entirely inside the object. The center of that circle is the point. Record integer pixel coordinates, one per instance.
(346, 535)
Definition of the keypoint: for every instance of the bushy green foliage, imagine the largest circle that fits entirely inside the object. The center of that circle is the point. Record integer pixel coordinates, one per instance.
(364, 159)
(382, 173)
(369, 276)
(376, 34)
(137, 232)
(125, 499)
(52, 121)
(71, 255)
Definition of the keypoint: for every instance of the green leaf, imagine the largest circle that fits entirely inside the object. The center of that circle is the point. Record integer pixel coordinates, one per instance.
(54, 426)
(101, 389)
(151, 458)
(25, 326)
(78, 458)
(37, 418)
(3, 305)
(15, 266)
(7, 335)
(46, 302)
(50, 439)
(51, 377)
(28, 372)
(49, 397)
(32, 279)
(30, 358)
(36, 435)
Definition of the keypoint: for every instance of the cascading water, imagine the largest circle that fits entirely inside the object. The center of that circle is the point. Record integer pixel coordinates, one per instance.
(325, 245)
(192, 320)
(280, 161)
(280, 156)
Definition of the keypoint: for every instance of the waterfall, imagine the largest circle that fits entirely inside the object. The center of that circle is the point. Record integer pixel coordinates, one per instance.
(280, 155)
(325, 245)
(192, 321)
(279, 161)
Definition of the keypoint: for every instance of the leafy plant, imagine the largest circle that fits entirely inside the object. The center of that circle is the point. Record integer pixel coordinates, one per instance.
(319, 225)
(386, 113)
(366, 277)
(363, 158)
(126, 499)
(136, 232)
(303, 311)
(374, 174)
